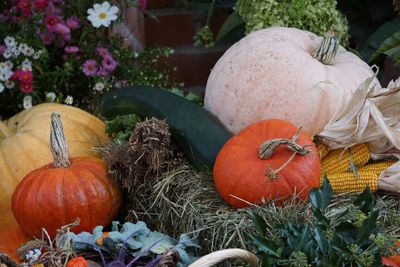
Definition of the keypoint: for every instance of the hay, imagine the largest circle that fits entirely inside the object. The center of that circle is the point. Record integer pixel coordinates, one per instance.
(171, 197)
(185, 201)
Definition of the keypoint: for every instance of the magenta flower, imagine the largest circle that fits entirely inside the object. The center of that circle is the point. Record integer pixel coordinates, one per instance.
(25, 7)
(26, 88)
(25, 76)
(109, 63)
(143, 5)
(103, 52)
(51, 22)
(73, 23)
(40, 4)
(71, 49)
(47, 38)
(90, 67)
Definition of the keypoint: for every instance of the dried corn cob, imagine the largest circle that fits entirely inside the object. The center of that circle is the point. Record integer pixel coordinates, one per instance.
(323, 150)
(347, 182)
(340, 160)
(378, 167)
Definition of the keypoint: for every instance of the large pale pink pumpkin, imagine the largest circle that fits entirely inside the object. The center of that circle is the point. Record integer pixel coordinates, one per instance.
(271, 74)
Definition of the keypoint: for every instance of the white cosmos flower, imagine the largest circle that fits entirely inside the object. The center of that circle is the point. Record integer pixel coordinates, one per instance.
(10, 41)
(27, 102)
(29, 51)
(23, 48)
(9, 84)
(99, 86)
(102, 14)
(50, 97)
(26, 65)
(69, 100)
(1, 87)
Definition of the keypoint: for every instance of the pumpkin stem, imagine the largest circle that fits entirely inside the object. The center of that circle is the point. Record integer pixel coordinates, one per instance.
(268, 148)
(327, 49)
(57, 142)
(4, 130)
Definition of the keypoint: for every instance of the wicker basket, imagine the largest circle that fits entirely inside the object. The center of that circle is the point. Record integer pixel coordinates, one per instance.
(219, 256)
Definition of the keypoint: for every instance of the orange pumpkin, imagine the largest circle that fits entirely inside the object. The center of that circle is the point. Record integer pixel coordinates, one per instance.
(387, 261)
(58, 193)
(77, 262)
(11, 238)
(396, 256)
(242, 177)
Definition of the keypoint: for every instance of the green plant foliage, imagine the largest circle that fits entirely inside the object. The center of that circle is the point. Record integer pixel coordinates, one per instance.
(373, 46)
(316, 16)
(135, 240)
(351, 238)
(121, 127)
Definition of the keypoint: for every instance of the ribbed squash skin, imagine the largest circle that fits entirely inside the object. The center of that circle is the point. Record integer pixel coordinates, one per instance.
(198, 134)
(51, 197)
(27, 146)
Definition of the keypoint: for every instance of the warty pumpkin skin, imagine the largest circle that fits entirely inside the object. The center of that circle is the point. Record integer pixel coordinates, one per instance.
(271, 74)
(240, 174)
(24, 145)
(58, 193)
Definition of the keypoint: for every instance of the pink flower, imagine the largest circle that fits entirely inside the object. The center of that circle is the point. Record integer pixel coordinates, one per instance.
(25, 7)
(26, 88)
(73, 23)
(40, 4)
(103, 72)
(71, 49)
(90, 67)
(109, 63)
(103, 52)
(64, 31)
(51, 22)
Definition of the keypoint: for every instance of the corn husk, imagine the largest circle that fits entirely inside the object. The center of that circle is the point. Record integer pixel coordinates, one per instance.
(372, 116)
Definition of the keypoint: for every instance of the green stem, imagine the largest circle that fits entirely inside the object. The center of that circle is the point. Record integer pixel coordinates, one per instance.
(58, 144)
(4, 130)
(327, 49)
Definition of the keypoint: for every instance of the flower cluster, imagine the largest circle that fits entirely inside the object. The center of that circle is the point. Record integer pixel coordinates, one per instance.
(67, 52)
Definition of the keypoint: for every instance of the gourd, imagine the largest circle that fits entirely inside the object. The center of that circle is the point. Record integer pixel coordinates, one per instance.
(77, 262)
(283, 73)
(24, 145)
(68, 188)
(11, 238)
(197, 133)
(269, 160)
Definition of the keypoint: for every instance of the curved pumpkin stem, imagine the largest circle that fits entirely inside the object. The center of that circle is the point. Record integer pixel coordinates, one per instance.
(327, 49)
(58, 144)
(268, 148)
(4, 130)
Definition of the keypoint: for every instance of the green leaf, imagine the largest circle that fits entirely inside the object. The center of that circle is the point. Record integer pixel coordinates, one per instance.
(265, 246)
(320, 198)
(376, 40)
(321, 240)
(191, 96)
(128, 231)
(164, 242)
(265, 262)
(233, 22)
(259, 223)
(387, 47)
(365, 201)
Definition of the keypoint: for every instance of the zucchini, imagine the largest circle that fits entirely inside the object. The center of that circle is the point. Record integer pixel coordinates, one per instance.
(197, 133)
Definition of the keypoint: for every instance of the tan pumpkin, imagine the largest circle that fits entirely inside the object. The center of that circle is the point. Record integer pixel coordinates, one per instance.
(24, 140)
(272, 74)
